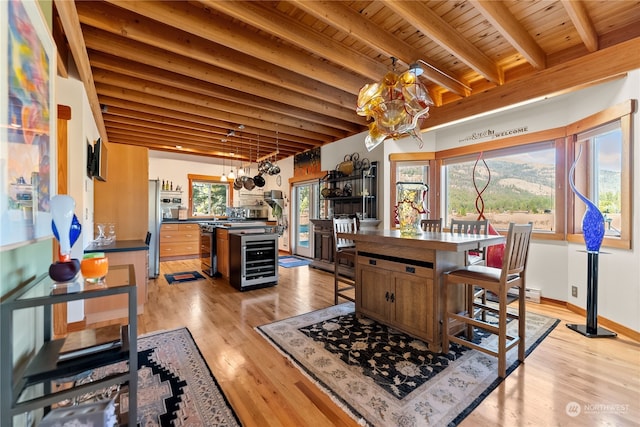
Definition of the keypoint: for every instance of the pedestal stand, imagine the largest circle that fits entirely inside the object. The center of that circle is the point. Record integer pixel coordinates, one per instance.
(591, 329)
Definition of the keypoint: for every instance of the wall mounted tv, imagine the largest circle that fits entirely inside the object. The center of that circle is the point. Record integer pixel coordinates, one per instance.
(97, 160)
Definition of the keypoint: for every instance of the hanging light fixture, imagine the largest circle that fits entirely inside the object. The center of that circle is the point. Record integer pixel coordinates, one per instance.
(240, 168)
(223, 178)
(231, 174)
(397, 104)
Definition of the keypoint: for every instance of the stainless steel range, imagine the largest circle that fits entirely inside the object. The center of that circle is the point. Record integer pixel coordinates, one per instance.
(208, 255)
(253, 260)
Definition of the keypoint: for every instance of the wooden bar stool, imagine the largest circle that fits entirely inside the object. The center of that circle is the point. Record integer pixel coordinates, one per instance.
(499, 281)
(344, 250)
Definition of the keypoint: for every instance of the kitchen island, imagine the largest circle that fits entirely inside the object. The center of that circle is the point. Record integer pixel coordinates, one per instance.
(399, 278)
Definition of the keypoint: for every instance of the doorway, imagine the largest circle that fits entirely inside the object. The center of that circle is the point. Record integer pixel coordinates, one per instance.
(304, 208)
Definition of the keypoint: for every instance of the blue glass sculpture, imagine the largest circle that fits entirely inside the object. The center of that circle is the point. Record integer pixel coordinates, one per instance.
(593, 220)
(66, 228)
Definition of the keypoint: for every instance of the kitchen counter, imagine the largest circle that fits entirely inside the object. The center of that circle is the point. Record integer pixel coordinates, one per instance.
(119, 246)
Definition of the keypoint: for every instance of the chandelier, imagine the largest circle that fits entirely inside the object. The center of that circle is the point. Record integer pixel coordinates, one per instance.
(397, 104)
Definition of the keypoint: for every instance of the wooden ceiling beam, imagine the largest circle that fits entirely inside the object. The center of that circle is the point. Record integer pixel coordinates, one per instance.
(137, 28)
(502, 20)
(338, 15)
(193, 20)
(127, 95)
(134, 77)
(571, 75)
(71, 25)
(433, 26)
(138, 53)
(135, 87)
(202, 134)
(145, 113)
(581, 20)
(293, 31)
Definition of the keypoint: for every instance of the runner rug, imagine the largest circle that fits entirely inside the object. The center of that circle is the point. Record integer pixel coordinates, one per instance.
(383, 377)
(187, 276)
(175, 384)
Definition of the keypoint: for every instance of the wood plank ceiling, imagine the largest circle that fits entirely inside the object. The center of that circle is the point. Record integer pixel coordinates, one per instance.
(249, 79)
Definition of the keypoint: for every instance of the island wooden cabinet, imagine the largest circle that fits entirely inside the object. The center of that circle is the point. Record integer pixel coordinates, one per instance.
(222, 251)
(179, 241)
(398, 292)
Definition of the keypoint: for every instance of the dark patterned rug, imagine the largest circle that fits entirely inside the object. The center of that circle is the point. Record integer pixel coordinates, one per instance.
(175, 385)
(187, 276)
(384, 377)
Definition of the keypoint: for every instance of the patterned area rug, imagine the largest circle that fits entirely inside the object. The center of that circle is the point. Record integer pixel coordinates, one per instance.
(187, 276)
(175, 385)
(288, 261)
(383, 377)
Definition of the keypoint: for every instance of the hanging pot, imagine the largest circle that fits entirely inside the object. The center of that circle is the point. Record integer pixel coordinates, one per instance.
(259, 180)
(249, 184)
(237, 184)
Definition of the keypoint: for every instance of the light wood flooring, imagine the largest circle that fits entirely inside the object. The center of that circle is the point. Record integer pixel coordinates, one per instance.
(601, 375)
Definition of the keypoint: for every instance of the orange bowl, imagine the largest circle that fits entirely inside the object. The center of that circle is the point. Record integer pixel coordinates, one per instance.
(94, 269)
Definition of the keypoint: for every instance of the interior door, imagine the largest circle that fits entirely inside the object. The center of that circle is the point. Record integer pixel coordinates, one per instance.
(305, 208)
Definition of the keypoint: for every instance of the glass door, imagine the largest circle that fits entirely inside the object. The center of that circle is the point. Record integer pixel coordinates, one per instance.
(304, 208)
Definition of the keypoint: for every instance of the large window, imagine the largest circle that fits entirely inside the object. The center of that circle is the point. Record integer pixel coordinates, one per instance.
(526, 178)
(208, 196)
(518, 182)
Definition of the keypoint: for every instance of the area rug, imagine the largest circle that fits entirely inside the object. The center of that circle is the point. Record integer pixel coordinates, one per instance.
(289, 261)
(187, 276)
(383, 377)
(175, 384)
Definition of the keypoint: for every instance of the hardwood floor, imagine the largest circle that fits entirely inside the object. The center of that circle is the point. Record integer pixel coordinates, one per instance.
(601, 375)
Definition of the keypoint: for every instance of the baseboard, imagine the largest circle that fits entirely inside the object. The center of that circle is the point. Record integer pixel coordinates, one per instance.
(606, 323)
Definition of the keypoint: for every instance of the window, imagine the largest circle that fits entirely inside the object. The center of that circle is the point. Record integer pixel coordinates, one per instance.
(208, 196)
(520, 186)
(415, 167)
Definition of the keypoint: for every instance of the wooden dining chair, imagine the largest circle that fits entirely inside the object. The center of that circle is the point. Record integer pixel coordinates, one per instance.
(344, 254)
(498, 281)
(477, 256)
(431, 224)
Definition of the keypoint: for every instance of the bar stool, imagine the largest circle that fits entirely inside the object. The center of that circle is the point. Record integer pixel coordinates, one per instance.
(499, 281)
(344, 250)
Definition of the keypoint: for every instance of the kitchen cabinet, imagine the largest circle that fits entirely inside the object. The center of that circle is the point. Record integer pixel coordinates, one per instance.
(179, 240)
(222, 251)
(398, 292)
(28, 381)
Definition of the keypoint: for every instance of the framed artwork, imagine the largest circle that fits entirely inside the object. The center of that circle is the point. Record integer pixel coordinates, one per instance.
(306, 162)
(27, 124)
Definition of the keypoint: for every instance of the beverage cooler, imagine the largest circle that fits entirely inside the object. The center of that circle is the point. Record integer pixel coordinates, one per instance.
(253, 260)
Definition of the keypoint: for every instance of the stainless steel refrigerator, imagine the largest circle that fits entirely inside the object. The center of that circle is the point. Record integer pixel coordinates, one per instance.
(155, 219)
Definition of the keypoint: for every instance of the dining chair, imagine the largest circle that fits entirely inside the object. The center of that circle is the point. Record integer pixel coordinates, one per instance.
(499, 281)
(476, 256)
(431, 224)
(344, 250)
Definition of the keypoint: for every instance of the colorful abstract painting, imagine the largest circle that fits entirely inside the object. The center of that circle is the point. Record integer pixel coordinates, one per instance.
(27, 152)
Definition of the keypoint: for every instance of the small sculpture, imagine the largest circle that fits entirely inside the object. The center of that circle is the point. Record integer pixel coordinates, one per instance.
(66, 228)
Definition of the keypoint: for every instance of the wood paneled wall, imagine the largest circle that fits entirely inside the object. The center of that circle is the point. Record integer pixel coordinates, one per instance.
(124, 198)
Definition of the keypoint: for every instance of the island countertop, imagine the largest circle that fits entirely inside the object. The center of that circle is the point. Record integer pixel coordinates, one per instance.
(441, 241)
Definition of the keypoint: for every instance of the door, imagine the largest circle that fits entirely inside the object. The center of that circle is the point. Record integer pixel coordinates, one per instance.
(305, 207)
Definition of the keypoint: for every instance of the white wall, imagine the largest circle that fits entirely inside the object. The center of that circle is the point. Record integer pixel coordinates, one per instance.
(80, 128)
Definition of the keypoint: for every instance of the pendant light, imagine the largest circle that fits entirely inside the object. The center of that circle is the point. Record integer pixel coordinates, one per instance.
(223, 178)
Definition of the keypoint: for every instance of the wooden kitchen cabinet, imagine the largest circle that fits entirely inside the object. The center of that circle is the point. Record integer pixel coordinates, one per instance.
(222, 251)
(398, 292)
(179, 241)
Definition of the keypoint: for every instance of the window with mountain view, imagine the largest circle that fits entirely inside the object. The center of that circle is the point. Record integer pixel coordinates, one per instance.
(521, 186)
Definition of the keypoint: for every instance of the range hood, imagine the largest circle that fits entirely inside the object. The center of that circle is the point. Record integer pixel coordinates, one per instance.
(276, 201)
